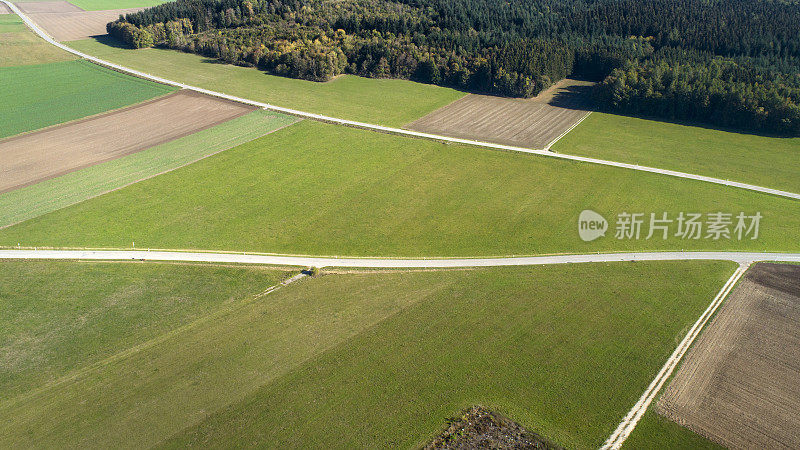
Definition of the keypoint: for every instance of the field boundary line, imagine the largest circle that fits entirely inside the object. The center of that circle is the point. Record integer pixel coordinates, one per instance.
(392, 130)
(148, 176)
(629, 422)
(550, 144)
(223, 309)
(392, 263)
(90, 117)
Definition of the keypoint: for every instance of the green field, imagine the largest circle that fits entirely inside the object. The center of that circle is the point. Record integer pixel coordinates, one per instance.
(764, 161)
(656, 429)
(321, 189)
(99, 5)
(56, 193)
(362, 359)
(19, 46)
(384, 101)
(59, 318)
(38, 96)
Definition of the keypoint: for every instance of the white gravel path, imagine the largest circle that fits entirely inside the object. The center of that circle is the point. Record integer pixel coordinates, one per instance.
(624, 429)
(399, 263)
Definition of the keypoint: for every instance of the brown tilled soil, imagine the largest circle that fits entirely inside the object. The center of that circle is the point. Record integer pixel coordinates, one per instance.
(4, 9)
(33, 157)
(740, 383)
(529, 123)
(46, 7)
(481, 428)
(70, 26)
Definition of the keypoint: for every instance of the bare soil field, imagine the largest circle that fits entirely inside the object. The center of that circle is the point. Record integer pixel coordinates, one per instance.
(30, 158)
(530, 123)
(4, 9)
(740, 384)
(70, 26)
(47, 7)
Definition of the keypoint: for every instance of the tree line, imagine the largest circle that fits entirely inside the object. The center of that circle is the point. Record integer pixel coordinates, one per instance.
(726, 62)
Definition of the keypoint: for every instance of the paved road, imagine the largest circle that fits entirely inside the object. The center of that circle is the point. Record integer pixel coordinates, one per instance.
(399, 131)
(739, 257)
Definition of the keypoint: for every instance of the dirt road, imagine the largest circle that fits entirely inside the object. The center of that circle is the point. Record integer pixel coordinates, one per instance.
(740, 385)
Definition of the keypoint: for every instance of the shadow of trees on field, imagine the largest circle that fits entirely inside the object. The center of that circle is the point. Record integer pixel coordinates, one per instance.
(109, 41)
(575, 97)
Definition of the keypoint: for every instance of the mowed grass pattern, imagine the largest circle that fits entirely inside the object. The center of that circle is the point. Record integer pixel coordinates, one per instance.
(19, 46)
(381, 360)
(56, 193)
(764, 161)
(38, 96)
(320, 189)
(61, 317)
(383, 101)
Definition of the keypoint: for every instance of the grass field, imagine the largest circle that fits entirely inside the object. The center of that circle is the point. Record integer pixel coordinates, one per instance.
(764, 161)
(382, 359)
(388, 102)
(53, 194)
(100, 5)
(321, 189)
(656, 431)
(38, 96)
(61, 317)
(19, 46)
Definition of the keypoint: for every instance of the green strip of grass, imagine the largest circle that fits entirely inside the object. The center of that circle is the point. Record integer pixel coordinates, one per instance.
(321, 189)
(19, 46)
(56, 193)
(38, 96)
(58, 317)
(654, 430)
(101, 5)
(381, 360)
(388, 102)
(764, 161)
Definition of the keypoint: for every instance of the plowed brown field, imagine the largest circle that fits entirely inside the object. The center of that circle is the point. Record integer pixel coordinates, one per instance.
(46, 7)
(70, 26)
(532, 123)
(30, 158)
(740, 384)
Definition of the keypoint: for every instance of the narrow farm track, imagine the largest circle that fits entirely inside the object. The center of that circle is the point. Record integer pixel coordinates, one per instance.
(398, 131)
(625, 428)
(395, 263)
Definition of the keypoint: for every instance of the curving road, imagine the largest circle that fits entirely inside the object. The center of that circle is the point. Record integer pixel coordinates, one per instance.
(392, 130)
(384, 263)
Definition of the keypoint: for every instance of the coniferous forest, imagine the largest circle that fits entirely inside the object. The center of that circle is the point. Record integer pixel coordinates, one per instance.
(731, 63)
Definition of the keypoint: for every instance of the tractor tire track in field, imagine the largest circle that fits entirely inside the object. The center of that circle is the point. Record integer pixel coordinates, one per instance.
(392, 130)
(215, 314)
